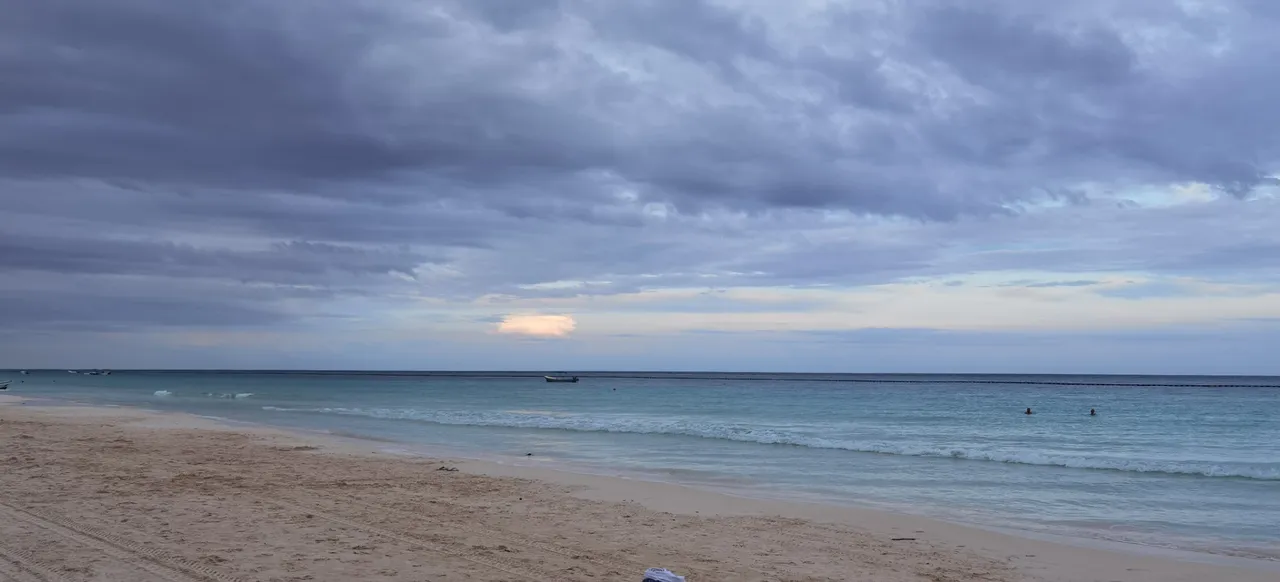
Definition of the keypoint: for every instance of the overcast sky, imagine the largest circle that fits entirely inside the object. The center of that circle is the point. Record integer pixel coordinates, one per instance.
(810, 185)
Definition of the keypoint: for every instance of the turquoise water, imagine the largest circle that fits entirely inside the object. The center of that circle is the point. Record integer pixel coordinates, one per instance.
(1192, 463)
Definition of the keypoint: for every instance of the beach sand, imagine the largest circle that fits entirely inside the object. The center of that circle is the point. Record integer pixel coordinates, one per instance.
(94, 493)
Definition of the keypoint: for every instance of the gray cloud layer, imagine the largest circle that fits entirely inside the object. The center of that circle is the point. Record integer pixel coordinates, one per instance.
(457, 148)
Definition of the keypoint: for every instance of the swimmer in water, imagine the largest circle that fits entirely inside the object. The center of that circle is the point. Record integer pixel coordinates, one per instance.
(1028, 411)
(1093, 412)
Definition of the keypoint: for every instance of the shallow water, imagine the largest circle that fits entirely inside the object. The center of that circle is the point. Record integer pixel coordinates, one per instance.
(1164, 463)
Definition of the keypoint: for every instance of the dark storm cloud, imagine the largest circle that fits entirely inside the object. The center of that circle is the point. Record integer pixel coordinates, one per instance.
(990, 46)
(257, 94)
(261, 96)
(291, 262)
(1073, 99)
(284, 215)
(182, 92)
(89, 310)
(461, 148)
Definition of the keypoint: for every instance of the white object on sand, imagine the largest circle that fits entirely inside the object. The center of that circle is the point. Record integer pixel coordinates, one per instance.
(661, 575)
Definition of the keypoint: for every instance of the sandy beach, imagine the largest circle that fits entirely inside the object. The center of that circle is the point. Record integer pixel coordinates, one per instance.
(95, 493)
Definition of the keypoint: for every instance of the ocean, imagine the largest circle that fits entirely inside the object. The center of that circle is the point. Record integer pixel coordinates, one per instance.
(1190, 463)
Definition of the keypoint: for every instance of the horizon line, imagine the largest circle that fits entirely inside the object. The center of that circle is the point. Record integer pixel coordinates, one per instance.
(833, 377)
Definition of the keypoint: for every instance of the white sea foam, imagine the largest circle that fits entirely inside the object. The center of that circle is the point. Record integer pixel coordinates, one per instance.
(793, 437)
(163, 393)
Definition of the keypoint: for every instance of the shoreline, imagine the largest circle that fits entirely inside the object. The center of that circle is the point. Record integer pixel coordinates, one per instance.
(967, 552)
(581, 474)
(820, 510)
(555, 470)
(602, 484)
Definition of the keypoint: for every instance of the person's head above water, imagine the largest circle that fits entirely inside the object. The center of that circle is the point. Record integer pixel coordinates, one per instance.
(1028, 411)
(1093, 412)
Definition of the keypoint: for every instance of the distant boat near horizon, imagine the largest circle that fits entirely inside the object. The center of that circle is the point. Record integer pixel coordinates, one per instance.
(89, 373)
(561, 377)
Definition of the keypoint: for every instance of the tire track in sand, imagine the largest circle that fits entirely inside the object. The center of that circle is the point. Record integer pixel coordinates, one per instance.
(21, 566)
(165, 566)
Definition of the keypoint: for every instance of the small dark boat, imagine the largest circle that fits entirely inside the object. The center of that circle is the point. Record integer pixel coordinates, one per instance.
(561, 377)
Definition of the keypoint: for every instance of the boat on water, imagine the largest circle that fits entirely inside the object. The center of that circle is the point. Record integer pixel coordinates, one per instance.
(24, 372)
(561, 377)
